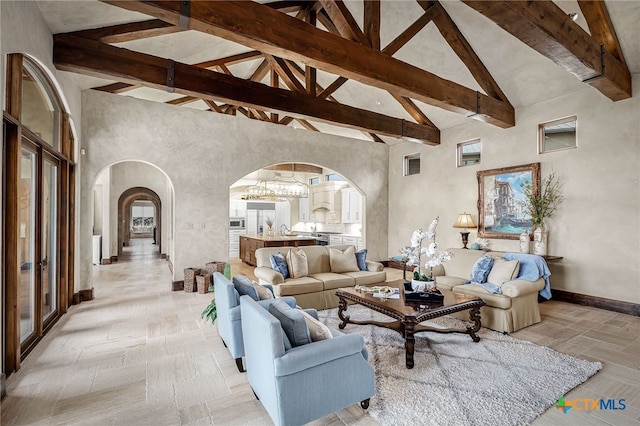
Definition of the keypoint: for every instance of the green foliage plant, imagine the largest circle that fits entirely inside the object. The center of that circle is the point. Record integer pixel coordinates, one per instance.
(210, 313)
(542, 204)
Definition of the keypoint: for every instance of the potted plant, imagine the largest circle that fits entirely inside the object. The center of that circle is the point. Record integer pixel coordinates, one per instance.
(413, 255)
(210, 313)
(540, 205)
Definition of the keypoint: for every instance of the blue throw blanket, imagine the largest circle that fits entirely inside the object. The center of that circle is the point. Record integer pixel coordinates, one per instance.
(532, 267)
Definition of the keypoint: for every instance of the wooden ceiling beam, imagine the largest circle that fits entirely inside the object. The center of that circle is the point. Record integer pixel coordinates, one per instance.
(287, 6)
(601, 27)
(213, 106)
(372, 23)
(296, 167)
(128, 32)
(413, 29)
(183, 100)
(344, 20)
(117, 87)
(543, 26)
(413, 110)
(467, 55)
(307, 125)
(290, 38)
(337, 83)
(231, 60)
(280, 66)
(90, 57)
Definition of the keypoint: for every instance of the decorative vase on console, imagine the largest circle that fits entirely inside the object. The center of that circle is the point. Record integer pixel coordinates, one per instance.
(540, 204)
(413, 255)
(524, 242)
(540, 240)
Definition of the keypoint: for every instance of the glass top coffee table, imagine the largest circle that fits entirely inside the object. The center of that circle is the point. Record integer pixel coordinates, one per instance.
(409, 313)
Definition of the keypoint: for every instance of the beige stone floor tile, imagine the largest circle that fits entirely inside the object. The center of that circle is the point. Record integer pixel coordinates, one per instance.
(139, 354)
(148, 414)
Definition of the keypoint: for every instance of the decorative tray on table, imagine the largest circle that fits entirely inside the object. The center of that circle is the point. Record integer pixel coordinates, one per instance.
(431, 296)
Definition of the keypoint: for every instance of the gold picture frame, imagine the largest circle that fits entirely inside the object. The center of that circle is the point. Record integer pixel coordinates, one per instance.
(500, 196)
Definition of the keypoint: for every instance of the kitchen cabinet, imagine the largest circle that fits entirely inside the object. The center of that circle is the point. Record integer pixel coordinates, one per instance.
(304, 210)
(325, 198)
(350, 240)
(237, 208)
(335, 239)
(283, 215)
(234, 241)
(351, 205)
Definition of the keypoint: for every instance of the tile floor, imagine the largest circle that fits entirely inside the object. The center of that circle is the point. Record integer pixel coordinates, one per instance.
(139, 354)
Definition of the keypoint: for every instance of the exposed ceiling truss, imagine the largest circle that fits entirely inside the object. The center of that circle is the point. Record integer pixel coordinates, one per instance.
(304, 38)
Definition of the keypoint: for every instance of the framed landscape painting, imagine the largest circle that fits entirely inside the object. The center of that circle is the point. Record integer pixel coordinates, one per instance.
(500, 198)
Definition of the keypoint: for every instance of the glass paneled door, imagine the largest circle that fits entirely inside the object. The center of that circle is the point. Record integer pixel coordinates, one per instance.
(27, 244)
(38, 214)
(49, 231)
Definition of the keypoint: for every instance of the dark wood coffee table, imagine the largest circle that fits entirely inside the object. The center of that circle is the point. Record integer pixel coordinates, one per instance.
(408, 314)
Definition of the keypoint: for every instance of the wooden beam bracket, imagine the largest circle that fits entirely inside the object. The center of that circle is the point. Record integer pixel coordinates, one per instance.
(171, 82)
(601, 75)
(185, 14)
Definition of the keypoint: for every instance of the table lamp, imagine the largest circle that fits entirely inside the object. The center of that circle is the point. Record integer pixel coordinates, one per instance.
(465, 221)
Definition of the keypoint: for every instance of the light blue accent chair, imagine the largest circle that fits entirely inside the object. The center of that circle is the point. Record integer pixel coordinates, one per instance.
(229, 318)
(303, 383)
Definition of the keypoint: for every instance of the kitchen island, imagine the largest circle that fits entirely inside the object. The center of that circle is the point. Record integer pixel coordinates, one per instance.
(251, 242)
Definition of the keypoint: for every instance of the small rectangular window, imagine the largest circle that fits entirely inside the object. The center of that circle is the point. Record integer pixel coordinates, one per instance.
(314, 180)
(469, 152)
(334, 177)
(412, 164)
(557, 135)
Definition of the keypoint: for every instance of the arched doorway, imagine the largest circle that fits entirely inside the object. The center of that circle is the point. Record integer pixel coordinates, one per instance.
(301, 198)
(125, 203)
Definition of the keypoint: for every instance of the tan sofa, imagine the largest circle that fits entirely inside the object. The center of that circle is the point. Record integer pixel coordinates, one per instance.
(517, 306)
(316, 290)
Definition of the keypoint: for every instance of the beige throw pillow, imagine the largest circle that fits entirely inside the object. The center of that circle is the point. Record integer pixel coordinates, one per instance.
(503, 270)
(343, 261)
(297, 262)
(317, 330)
(263, 292)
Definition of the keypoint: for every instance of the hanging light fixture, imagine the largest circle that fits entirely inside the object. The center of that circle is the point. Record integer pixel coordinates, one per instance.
(277, 188)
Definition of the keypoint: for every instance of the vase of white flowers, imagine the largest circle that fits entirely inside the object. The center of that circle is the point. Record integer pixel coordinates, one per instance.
(423, 279)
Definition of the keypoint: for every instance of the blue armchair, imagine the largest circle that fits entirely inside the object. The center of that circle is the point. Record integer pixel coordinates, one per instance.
(229, 318)
(305, 382)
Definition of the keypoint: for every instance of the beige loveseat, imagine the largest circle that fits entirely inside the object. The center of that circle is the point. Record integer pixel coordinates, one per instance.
(517, 306)
(317, 289)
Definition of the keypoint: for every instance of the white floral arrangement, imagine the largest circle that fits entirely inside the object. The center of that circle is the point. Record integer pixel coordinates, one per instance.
(413, 253)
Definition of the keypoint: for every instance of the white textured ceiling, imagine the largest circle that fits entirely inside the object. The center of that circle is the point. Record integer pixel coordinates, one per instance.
(525, 76)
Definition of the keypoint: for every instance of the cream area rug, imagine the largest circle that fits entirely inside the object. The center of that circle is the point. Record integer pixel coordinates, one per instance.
(498, 381)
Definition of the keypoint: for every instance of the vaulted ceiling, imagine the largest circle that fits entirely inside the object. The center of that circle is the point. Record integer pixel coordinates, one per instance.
(379, 70)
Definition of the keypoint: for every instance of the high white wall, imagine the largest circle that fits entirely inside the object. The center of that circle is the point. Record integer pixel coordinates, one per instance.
(596, 228)
(203, 153)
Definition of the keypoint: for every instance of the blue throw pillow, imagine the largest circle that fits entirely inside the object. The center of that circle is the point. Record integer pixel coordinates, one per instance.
(292, 322)
(244, 286)
(279, 263)
(361, 258)
(481, 269)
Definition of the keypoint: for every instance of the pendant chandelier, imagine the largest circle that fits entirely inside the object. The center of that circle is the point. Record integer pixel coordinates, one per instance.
(277, 188)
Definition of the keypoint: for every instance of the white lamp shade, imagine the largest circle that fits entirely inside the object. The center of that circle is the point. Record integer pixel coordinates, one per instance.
(464, 220)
